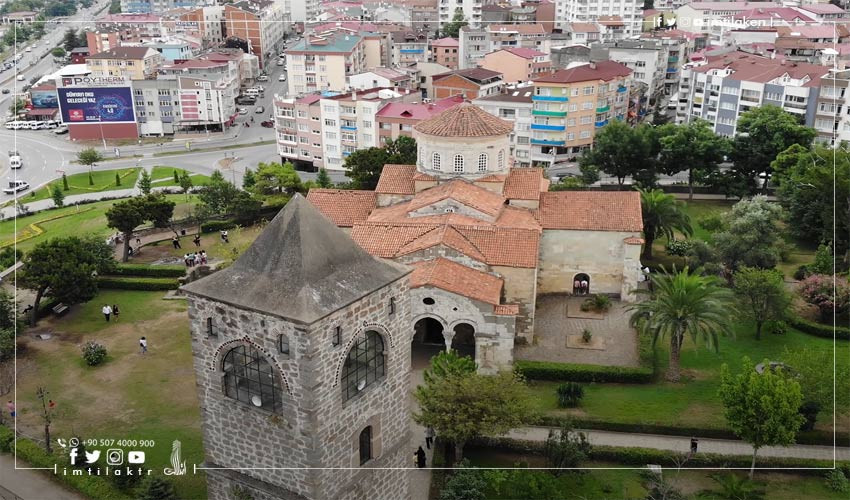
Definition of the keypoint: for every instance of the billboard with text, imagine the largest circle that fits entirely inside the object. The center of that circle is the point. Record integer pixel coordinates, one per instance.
(96, 105)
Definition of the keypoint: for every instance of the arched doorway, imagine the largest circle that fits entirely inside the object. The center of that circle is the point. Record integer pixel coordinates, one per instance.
(581, 284)
(463, 341)
(428, 340)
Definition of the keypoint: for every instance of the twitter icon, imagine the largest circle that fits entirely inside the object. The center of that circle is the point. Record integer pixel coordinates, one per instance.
(91, 457)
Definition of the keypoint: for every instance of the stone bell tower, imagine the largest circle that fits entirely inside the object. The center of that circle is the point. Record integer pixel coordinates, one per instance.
(302, 359)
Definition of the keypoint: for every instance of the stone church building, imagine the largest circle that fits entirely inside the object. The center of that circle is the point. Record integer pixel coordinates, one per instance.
(484, 240)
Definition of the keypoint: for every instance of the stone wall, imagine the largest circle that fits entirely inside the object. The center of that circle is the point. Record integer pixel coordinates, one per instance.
(520, 288)
(315, 428)
(385, 199)
(602, 255)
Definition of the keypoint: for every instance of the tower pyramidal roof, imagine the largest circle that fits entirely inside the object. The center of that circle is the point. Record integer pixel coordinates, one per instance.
(301, 267)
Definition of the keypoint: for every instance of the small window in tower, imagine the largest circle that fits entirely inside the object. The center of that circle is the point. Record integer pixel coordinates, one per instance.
(365, 445)
(212, 331)
(458, 163)
(283, 344)
(501, 159)
(435, 161)
(428, 301)
(392, 305)
(337, 336)
(482, 162)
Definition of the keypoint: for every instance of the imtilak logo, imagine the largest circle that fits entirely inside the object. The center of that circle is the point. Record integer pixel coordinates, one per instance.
(178, 468)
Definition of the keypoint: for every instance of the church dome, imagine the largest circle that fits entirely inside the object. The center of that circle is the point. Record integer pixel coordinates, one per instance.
(464, 120)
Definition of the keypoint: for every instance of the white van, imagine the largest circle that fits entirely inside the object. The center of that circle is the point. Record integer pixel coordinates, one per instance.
(37, 125)
(16, 186)
(16, 162)
(253, 92)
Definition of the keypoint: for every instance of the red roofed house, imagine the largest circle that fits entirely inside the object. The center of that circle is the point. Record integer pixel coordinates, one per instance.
(470, 83)
(517, 65)
(485, 240)
(445, 52)
(397, 119)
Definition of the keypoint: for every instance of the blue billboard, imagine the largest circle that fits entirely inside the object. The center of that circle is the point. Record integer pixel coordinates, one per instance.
(96, 105)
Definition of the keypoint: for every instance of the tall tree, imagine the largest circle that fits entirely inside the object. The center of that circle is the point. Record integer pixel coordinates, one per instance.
(65, 269)
(57, 195)
(452, 29)
(663, 215)
(71, 41)
(763, 133)
(619, 150)
(753, 236)
(145, 183)
(126, 216)
(822, 380)
(185, 182)
(364, 167)
(89, 157)
(683, 304)
(10, 322)
(761, 408)
(217, 196)
(323, 180)
(761, 295)
(446, 364)
(274, 178)
(248, 179)
(693, 147)
(401, 151)
(465, 406)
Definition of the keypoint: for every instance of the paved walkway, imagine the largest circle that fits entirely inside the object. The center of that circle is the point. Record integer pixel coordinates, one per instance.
(682, 444)
(614, 342)
(29, 484)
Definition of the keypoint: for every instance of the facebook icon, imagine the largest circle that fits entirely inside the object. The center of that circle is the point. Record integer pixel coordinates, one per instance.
(73, 454)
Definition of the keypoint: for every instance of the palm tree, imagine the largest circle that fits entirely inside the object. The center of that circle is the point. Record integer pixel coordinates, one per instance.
(683, 303)
(662, 216)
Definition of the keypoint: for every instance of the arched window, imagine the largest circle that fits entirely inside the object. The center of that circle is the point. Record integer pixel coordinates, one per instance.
(501, 159)
(365, 445)
(482, 162)
(363, 365)
(249, 378)
(435, 161)
(458, 163)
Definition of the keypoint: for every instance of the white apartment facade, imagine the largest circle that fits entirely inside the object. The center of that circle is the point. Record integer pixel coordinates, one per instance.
(715, 19)
(589, 11)
(471, 11)
(515, 105)
(647, 60)
(347, 125)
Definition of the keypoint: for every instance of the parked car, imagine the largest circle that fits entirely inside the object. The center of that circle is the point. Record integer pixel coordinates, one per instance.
(281, 62)
(243, 111)
(259, 110)
(267, 124)
(37, 125)
(21, 78)
(263, 78)
(282, 77)
(16, 186)
(246, 99)
(62, 129)
(29, 49)
(15, 160)
(6, 91)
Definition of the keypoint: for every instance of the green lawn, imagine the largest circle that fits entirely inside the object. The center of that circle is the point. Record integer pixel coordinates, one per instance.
(68, 221)
(104, 180)
(693, 402)
(240, 239)
(160, 173)
(130, 396)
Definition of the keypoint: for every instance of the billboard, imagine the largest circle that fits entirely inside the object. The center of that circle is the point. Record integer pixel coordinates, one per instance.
(44, 99)
(96, 105)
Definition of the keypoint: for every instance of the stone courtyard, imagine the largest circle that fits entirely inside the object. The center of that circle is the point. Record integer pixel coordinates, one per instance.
(613, 342)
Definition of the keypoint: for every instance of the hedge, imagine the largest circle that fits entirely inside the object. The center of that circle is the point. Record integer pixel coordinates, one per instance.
(822, 438)
(149, 271)
(819, 329)
(217, 225)
(665, 458)
(95, 487)
(547, 370)
(7, 435)
(133, 283)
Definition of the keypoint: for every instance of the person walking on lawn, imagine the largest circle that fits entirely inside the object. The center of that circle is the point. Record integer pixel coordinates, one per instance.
(143, 345)
(175, 241)
(107, 312)
(115, 311)
(429, 437)
(197, 240)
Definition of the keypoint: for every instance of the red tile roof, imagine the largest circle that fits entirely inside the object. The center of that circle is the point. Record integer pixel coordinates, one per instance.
(396, 179)
(525, 52)
(604, 70)
(445, 42)
(524, 184)
(753, 68)
(342, 206)
(464, 120)
(466, 193)
(418, 111)
(583, 28)
(457, 278)
(506, 310)
(591, 211)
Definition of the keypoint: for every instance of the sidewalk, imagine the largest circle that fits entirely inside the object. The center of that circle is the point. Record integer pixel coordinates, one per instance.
(682, 444)
(37, 206)
(29, 484)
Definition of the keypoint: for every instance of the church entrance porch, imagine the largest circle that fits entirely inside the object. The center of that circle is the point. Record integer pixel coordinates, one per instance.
(428, 341)
(463, 341)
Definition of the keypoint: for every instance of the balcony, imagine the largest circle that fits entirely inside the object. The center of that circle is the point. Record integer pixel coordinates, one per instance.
(542, 142)
(673, 59)
(549, 128)
(412, 51)
(540, 112)
(603, 109)
(549, 98)
(601, 124)
(349, 129)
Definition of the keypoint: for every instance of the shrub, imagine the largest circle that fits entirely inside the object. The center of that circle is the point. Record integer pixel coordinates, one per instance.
(586, 335)
(599, 303)
(818, 290)
(776, 327)
(837, 481)
(819, 329)
(711, 223)
(679, 248)
(94, 353)
(133, 283)
(7, 436)
(569, 394)
(547, 370)
(125, 482)
(809, 410)
(217, 225)
(802, 273)
(149, 271)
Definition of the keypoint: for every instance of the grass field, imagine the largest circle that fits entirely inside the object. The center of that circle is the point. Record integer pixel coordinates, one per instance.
(70, 221)
(164, 176)
(240, 239)
(694, 401)
(130, 396)
(104, 180)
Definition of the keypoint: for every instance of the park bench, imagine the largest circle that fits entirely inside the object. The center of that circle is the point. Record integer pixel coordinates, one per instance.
(60, 309)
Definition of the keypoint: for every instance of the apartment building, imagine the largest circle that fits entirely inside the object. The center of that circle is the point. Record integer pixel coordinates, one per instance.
(409, 47)
(629, 12)
(153, 6)
(397, 119)
(303, 11)
(422, 14)
(134, 27)
(833, 99)
(323, 61)
(157, 105)
(205, 104)
(715, 19)
(583, 33)
(719, 88)
(133, 63)
(515, 105)
(381, 77)
(646, 58)
(469, 83)
(471, 11)
(261, 24)
(510, 36)
(571, 104)
(224, 72)
(680, 45)
(103, 39)
(208, 21)
(444, 51)
(519, 64)
(299, 131)
(473, 45)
